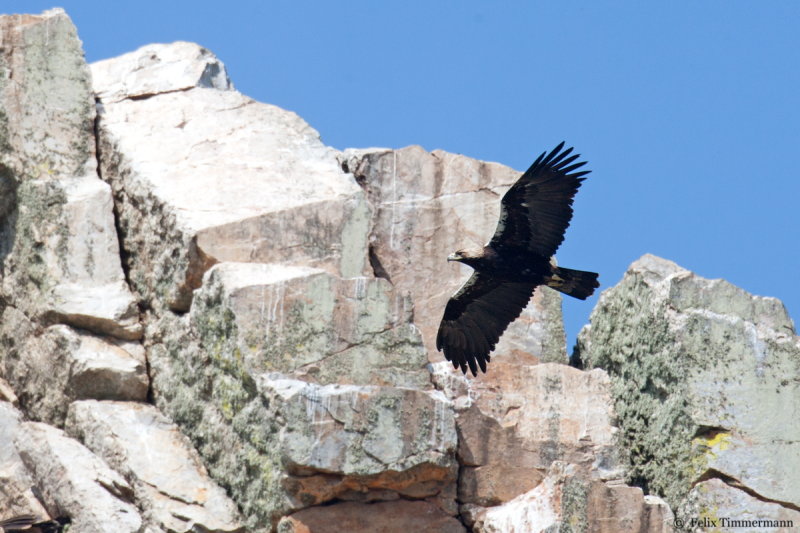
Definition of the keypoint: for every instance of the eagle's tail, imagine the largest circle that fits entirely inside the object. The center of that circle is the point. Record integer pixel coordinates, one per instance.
(576, 283)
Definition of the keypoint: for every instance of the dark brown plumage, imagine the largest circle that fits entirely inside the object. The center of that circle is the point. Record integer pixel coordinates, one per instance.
(534, 214)
(29, 524)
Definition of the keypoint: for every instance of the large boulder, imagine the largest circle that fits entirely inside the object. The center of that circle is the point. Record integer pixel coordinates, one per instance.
(510, 435)
(203, 174)
(279, 444)
(538, 449)
(701, 374)
(272, 268)
(17, 485)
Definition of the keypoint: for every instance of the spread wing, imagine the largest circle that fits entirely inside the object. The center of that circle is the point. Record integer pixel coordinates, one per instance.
(18, 522)
(536, 210)
(476, 316)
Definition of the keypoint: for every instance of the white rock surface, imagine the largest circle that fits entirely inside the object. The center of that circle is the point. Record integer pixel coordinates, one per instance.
(205, 175)
(90, 290)
(360, 430)
(169, 481)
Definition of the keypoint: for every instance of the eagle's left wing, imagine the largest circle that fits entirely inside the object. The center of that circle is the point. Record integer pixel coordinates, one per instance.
(536, 210)
(476, 316)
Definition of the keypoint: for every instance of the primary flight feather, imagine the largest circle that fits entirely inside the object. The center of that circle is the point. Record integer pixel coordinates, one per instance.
(534, 214)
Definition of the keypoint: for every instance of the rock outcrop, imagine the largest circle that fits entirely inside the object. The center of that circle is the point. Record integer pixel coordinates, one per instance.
(704, 383)
(211, 321)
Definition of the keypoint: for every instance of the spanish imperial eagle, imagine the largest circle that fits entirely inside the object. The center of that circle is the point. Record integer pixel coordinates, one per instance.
(534, 214)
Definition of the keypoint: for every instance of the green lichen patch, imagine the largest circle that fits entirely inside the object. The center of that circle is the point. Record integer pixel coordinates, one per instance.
(631, 339)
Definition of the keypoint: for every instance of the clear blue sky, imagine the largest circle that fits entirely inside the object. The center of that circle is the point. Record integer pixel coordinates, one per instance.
(689, 113)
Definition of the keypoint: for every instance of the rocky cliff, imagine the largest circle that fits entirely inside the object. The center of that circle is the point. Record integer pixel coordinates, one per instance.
(210, 321)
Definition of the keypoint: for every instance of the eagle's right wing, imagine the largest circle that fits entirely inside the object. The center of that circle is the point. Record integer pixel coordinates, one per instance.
(476, 316)
(536, 210)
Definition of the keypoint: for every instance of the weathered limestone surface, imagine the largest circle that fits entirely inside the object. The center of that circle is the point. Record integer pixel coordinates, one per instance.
(537, 449)
(703, 384)
(723, 503)
(428, 204)
(203, 174)
(301, 443)
(48, 107)
(169, 481)
(310, 369)
(156, 69)
(249, 319)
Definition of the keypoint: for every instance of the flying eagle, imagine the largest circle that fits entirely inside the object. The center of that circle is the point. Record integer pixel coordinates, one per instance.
(29, 524)
(534, 214)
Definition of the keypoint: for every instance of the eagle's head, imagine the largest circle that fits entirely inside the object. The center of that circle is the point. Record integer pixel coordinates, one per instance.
(467, 255)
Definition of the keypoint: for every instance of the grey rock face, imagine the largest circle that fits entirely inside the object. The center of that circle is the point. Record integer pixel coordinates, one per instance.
(289, 444)
(701, 374)
(17, 495)
(309, 323)
(59, 245)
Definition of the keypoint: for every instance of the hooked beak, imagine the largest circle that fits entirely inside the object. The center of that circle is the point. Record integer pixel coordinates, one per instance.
(454, 257)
